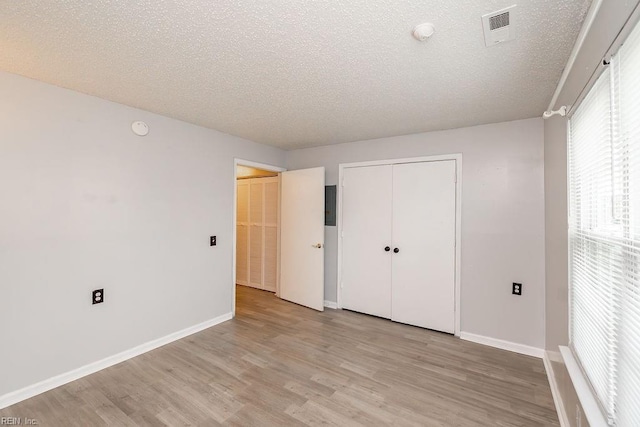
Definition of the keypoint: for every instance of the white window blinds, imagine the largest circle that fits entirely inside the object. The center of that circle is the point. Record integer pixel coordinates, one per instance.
(604, 235)
(627, 159)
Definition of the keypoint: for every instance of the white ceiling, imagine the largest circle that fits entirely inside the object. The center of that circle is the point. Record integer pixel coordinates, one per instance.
(297, 73)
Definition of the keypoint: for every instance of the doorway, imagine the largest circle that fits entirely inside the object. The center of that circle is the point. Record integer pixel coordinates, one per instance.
(295, 226)
(252, 225)
(257, 228)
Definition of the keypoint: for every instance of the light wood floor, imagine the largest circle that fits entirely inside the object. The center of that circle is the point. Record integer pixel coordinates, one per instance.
(279, 364)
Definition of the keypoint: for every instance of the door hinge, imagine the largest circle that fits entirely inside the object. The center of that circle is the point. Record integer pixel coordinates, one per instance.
(341, 285)
(342, 234)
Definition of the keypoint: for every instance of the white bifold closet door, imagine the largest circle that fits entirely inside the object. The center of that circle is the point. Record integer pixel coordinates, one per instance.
(257, 233)
(366, 225)
(424, 230)
(398, 243)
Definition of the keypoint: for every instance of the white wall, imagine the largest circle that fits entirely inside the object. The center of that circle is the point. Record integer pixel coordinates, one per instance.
(502, 218)
(86, 204)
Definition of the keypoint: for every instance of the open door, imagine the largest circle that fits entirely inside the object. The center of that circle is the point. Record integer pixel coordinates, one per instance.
(302, 237)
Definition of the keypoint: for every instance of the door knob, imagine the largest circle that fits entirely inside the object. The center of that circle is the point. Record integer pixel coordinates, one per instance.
(319, 246)
(396, 250)
(387, 248)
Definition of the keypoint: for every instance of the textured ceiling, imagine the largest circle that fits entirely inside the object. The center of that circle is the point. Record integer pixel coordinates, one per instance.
(297, 73)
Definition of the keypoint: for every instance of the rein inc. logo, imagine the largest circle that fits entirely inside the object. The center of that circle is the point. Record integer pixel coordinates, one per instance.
(18, 421)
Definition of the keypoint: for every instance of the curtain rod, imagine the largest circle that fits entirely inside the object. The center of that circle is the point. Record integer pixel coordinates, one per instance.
(582, 35)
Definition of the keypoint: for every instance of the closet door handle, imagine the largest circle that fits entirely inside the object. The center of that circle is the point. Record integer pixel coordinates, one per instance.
(396, 250)
(387, 248)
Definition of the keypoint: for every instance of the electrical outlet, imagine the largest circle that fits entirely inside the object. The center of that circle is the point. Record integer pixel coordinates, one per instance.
(98, 296)
(516, 289)
(212, 241)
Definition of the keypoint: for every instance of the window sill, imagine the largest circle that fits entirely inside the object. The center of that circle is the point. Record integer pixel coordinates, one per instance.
(588, 401)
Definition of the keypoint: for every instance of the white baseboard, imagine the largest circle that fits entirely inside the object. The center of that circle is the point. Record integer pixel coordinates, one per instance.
(504, 345)
(51, 383)
(330, 304)
(555, 391)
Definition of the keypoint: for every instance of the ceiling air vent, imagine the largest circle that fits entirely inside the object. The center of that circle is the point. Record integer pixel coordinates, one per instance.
(498, 21)
(498, 26)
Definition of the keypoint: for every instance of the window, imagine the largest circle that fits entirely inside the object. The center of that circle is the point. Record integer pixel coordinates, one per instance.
(604, 235)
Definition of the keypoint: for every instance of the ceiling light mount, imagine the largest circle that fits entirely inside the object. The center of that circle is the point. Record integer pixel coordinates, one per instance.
(422, 32)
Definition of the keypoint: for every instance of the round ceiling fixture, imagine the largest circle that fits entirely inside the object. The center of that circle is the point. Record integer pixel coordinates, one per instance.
(140, 128)
(423, 31)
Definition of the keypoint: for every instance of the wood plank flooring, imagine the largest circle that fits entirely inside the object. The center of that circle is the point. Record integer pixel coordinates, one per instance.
(280, 364)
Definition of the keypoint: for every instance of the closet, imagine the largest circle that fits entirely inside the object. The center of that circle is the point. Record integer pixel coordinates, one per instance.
(398, 242)
(257, 232)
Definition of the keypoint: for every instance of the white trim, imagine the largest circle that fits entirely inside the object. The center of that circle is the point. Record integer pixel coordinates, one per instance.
(435, 158)
(458, 159)
(330, 304)
(51, 383)
(588, 401)
(263, 166)
(555, 391)
(504, 345)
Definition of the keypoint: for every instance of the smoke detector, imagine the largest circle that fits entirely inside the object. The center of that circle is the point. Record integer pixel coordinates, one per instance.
(422, 32)
(498, 26)
(140, 128)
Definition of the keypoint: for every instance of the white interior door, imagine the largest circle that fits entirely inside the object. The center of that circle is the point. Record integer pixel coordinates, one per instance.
(302, 237)
(366, 241)
(423, 267)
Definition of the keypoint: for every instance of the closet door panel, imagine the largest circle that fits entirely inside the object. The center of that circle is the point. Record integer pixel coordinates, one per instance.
(423, 269)
(256, 257)
(270, 258)
(271, 207)
(271, 202)
(366, 224)
(242, 262)
(243, 203)
(242, 234)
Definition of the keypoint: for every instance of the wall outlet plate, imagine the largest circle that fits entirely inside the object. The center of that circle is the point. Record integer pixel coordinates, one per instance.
(212, 241)
(98, 296)
(516, 288)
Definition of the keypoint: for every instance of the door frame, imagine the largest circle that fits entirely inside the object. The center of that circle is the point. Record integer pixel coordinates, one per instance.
(457, 157)
(242, 162)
